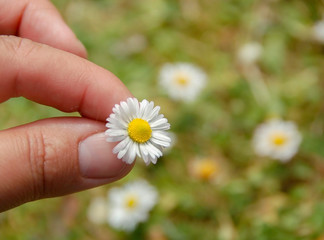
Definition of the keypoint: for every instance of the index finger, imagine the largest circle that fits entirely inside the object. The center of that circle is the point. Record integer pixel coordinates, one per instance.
(39, 21)
(56, 78)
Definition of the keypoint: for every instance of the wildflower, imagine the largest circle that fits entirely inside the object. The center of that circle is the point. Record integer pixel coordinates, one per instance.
(249, 53)
(277, 139)
(205, 169)
(318, 31)
(182, 81)
(97, 211)
(140, 129)
(129, 205)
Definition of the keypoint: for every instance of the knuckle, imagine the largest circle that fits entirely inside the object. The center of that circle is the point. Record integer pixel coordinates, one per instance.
(21, 47)
(41, 155)
(36, 159)
(8, 43)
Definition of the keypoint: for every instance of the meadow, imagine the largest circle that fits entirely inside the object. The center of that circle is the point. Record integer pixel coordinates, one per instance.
(237, 193)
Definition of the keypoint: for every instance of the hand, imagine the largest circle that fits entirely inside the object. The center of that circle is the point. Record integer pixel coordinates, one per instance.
(57, 156)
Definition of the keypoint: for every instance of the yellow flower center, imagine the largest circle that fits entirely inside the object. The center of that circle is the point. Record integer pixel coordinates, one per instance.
(207, 169)
(181, 80)
(139, 130)
(279, 139)
(131, 201)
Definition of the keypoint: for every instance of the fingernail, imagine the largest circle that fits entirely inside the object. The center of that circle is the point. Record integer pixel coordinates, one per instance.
(96, 159)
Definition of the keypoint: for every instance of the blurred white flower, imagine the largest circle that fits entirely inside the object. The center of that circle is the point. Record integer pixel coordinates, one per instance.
(140, 129)
(277, 139)
(129, 205)
(182, 81)
(318, 31)
(249, 53)
(97, 211)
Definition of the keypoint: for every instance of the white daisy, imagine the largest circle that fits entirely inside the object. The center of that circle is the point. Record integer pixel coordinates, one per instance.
(277, 139)
(249, 53)
(129, 205)
(97, 211)
(318, 31)
(182, 81)
(140, 129)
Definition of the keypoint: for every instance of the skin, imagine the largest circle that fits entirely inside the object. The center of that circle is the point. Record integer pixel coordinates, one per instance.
(42, 60)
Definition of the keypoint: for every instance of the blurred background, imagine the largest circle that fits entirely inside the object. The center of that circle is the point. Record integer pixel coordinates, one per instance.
(262, 59)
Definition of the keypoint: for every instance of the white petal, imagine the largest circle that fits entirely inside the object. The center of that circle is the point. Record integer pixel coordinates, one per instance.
(137, 150)
(148, 109)
(133, 107)
(159, 142)
(146, 159)
(165, 126)
(143, 106)
(116, 109)
(157, 117)
(153, 113)
(121, 145)
(143, 149)
(144, 154)
(124, 112)
(154, 151)
(116, 132)
(150, 159)
(119, 122)
(159, 122)
(154, 160)
(149, 152)
(121, 153)
(115, 139)
(130, 155)
(161, 136)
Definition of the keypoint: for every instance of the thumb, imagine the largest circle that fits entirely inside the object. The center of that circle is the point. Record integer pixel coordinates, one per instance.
(54, 157)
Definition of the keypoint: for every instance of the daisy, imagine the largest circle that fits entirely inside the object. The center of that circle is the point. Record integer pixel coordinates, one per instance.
(140, 129)
(204, 169)
(129, 205)
(97, 211)
(318, 31)
(249, 53)
(277, 139)
(182, 81)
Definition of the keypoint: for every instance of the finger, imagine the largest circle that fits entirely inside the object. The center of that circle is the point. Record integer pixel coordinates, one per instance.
(56, 78)
(54, 157)
(38, 20)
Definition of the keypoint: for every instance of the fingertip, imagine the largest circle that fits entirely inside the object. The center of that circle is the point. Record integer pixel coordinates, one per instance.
(80, 50)
(96, 159)
(41, 22)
